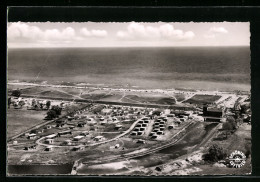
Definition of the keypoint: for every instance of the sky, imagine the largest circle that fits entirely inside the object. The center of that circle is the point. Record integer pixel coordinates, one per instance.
(128, 34)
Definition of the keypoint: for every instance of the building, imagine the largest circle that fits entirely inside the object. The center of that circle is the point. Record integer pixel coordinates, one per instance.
(98, 138)
(49, 141)
(78, 138)
(68, 132)
(81, 124)
(32, 136)
(141, 141)
(84, 133)
(118, 127)
(49, 148)
(67, 142)
(30, 147)
(51, 136)
(212, 114)
(77, 148)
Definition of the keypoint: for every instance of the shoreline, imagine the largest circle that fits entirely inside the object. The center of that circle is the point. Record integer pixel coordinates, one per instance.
(129, 89)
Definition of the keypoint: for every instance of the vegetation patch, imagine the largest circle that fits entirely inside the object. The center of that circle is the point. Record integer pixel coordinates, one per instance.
(202, 99)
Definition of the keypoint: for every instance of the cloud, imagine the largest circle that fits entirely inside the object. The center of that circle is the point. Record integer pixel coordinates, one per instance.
(27, 33)
(136, 31)
(213, 32)
(93, 33)
(218, 30)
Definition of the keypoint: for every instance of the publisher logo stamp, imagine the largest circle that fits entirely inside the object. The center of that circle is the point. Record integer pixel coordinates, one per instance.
(237, 159)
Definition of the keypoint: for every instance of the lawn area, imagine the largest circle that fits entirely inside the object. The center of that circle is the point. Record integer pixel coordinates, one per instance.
(237, 141)
(19, 120)
(202, 99)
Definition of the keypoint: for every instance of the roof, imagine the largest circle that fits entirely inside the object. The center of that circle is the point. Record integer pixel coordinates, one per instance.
(33, 134)
(214, 110)
(50, 136)
(99, 137)
(64, 131)
(79, 137)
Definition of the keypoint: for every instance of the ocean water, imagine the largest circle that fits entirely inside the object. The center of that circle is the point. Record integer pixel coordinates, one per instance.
(207, 68)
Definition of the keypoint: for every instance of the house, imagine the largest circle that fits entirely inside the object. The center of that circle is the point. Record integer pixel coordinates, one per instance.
(68, 132)
(98, 138)
(30, 147)
(67, 142)
(141, 141)
(81, 124)
(134, 133)
(161, 128)
(49, 141)
(156, 130)
(48, 149)
(170, 127)
(160, 133)
(142, 128)
(101, 119)
(84, 133)
(78, 138)
(59, 125)
(77, 148)
(118, 127)
(138, 125)
(48, 127)
(71, 127)
(144, 125)
(154, 137)
(103, 122)
(51, 136)
(32, 136)
(70, 118)
(137, 129)
(140, 133)
(146, 121)
(117, 146)
(152, 133)
(170, 115)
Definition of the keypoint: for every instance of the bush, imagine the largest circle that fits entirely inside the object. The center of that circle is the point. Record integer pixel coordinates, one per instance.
(16, 93)
(57, 109)
(247, 150)
(215, 153)
(51, 114)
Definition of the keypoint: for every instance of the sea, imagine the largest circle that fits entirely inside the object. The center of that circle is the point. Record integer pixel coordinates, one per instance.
(204, 68)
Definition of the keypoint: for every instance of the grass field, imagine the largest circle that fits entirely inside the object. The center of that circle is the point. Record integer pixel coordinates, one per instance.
(19, 120)
(203, 99)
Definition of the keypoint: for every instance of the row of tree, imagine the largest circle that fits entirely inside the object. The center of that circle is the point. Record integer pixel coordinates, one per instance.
(54, 112)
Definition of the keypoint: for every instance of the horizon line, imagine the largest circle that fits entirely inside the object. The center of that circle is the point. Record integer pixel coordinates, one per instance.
(129, 47)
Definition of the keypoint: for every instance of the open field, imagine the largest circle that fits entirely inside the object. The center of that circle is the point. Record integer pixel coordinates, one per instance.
(202, 99)
(19, 120)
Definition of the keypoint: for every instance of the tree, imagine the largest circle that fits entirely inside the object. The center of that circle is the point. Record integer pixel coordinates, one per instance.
(215, 153)
(9, 102)
(48, 104)
(229, 125)
(57, 109)
(21, 103)
(51, 114)
(158, 113)
(247, 150)
(16, 93)
(33, 102)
